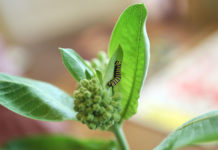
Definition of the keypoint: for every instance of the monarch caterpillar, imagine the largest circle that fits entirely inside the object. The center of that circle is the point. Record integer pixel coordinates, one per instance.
(117, 74)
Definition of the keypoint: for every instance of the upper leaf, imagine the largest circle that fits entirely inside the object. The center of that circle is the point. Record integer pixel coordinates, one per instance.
(200, 129)
(75, 64)
(58, 143)
(35, 99)
(131, 35)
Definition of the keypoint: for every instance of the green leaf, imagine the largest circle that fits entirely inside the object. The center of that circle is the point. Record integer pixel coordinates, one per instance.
(35, 99)
(75, 64)
(88, 76)
(201, 129)
(58, 143)
(131, 35)
(109, 73)
(99, 75)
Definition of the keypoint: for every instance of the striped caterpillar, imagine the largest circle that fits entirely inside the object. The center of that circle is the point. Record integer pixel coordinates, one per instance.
(117, 74)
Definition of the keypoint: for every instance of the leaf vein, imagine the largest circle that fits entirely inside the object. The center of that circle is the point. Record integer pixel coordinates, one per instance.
(135, 72)
(46, 95)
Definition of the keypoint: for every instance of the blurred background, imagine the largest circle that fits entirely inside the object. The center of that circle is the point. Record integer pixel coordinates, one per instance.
(183, 76)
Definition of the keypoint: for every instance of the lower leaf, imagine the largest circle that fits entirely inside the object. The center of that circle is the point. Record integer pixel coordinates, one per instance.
(58, 143)
(198, 130)
(35, 99)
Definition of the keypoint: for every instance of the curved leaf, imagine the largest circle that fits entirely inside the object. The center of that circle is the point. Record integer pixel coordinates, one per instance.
(58, 143)
(75, 64)
(35, 99)
(130, 34)
(99, 75)
(198, 130)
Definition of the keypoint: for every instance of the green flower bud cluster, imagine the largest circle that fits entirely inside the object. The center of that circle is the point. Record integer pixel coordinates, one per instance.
(95, 107)
(100, 62)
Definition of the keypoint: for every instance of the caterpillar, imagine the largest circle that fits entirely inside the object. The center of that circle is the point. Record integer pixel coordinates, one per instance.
(117, 74)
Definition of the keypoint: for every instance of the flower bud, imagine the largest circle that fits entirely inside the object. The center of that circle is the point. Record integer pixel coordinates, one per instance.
(94, 105)
(102, 56)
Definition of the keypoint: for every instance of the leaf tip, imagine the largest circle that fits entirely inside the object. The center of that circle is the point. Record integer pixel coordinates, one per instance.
(61, 49)
(120, 49)
(64, 49)
(139, 6)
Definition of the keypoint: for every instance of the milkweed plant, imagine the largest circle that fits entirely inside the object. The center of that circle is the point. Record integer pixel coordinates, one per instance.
(107, 94)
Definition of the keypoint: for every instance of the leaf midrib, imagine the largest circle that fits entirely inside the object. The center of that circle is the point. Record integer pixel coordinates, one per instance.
(131, 93)
(67, 109)
(195, 121)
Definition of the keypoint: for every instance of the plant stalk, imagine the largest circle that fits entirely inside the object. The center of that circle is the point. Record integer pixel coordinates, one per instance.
(121, 139)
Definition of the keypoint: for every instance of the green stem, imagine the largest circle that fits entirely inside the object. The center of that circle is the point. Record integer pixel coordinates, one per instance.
(118, 131)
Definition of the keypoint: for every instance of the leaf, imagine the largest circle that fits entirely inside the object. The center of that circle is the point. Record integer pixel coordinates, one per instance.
(99, 75)
(35, 99)
(88, 76)
(203, 128)
(75, 64)
(58, 143)
(131, 35)
(109, 73)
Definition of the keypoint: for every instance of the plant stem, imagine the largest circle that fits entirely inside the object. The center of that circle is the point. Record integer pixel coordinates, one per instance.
(118, 131)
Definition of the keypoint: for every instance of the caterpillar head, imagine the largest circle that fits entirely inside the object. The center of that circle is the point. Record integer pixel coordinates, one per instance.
(94, 105)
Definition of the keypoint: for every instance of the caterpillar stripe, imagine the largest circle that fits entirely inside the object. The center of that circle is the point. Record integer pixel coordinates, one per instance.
(117, 74)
